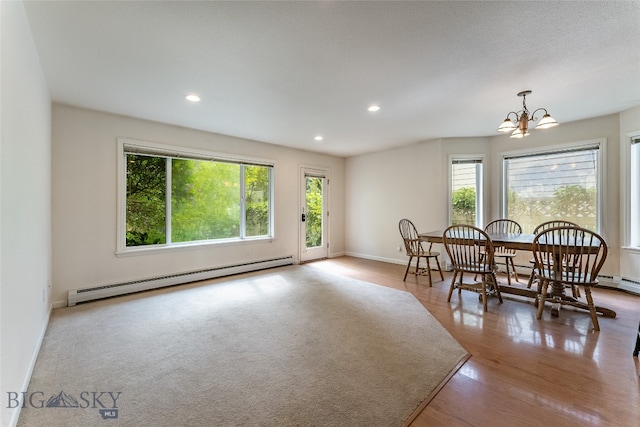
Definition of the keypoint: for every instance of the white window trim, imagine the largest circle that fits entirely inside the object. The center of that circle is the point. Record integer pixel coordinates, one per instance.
(121, 248)
(602, 170)
(481, 190)
(625, 185)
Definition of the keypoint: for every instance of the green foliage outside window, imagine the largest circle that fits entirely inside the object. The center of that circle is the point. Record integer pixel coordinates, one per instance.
(463, 205)
(256, 201)
(314, 212)
(205, 200)
(573, 203)
(146, 193)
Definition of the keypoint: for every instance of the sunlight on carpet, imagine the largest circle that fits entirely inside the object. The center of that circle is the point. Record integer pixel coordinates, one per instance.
(290, 346)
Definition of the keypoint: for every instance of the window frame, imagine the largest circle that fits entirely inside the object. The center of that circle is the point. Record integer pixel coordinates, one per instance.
(127, 146)
(600, 143)
(480, 203)
(630, 205)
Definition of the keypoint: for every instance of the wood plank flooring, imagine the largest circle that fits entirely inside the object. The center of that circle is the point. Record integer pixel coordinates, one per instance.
(524, 371)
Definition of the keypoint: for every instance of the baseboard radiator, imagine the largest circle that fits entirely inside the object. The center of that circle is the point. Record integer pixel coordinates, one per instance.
(90, 294)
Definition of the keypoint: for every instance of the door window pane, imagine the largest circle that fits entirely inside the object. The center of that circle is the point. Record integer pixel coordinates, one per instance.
(314, 207)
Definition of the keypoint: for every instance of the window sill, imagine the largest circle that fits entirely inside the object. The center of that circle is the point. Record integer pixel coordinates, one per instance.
(156, 249)
(632, 249)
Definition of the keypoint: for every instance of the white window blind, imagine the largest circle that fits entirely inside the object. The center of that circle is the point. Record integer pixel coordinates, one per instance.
(559, 184)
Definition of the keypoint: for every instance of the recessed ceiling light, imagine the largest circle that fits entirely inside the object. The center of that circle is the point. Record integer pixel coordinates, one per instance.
(318, 138)
(192, 98)
(373, 108)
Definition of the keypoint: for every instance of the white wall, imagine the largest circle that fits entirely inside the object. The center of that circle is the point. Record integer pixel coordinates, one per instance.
(84, 200)
(25, 204)
(408, 182)
(381, 188)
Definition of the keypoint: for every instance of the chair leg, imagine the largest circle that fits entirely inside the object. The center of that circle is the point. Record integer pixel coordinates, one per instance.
(429, 271)
(439, 269)
(542, 297)
(637, 349)
(484, 292)
(407, 270)
(532, 277)
(515, 272)
(453, 285)
(592, 308)
(497, 286)
(506, 266)
(575, 291)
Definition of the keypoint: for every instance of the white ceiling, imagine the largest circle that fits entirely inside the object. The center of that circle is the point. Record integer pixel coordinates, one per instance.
(283, 72)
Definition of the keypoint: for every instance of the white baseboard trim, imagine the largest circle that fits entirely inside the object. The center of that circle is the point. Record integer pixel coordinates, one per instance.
(59, 304)
(376, 258)
(32, 364)
(619, 283)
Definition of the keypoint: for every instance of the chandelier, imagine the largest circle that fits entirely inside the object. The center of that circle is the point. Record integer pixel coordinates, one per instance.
(519, 124)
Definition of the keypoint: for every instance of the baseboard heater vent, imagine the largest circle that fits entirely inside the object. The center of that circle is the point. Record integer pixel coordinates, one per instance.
(90, 294)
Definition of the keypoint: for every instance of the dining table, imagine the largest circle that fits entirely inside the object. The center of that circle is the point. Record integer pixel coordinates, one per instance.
(522, 242)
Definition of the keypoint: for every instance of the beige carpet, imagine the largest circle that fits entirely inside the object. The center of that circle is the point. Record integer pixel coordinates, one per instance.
(287, 347)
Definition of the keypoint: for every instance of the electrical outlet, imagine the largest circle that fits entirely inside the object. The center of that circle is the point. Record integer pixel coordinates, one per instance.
(399, 248)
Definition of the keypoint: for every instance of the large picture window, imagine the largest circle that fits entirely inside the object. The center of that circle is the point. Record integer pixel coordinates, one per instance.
(563, 183)
(175, 198)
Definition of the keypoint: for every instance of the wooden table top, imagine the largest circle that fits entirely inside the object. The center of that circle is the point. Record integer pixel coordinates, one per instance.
(511, 241)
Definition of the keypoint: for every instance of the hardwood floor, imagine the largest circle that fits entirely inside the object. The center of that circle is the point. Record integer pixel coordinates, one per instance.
(523, 371)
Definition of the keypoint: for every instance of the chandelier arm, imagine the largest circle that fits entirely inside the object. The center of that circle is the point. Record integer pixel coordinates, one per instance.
(533, 116)
(515, 114)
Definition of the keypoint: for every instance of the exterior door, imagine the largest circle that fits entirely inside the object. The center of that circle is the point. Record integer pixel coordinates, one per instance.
(314, 214)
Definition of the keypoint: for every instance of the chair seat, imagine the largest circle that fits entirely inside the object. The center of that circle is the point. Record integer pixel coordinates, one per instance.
(508, 256)
(429, 254)
(504, 254)
(571, 279)
(475, 268)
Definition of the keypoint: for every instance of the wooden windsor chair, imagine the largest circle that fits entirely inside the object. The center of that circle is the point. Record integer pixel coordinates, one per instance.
(533, 277)
(505, 226)
(471, 251)
(568, 257)
(414, 249)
